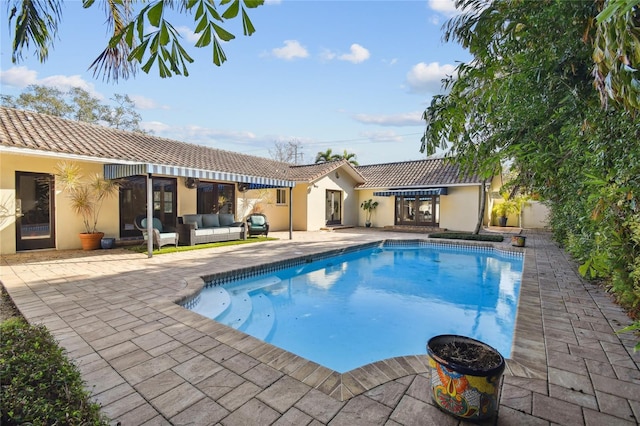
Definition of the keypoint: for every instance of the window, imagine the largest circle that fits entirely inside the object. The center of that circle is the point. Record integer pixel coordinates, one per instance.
(281, 196)
(216, 197)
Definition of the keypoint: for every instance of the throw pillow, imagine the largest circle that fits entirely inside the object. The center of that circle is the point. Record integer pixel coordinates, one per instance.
(227, 219)
(210, 220)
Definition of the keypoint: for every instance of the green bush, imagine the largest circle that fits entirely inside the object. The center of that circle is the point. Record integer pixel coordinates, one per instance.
(468, 236)
(40, 386)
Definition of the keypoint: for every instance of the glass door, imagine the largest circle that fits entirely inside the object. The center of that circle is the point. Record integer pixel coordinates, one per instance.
(333, 205)
(35, 225)
(133, 202)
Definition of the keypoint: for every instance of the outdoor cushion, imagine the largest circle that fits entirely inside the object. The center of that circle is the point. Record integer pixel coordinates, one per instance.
(193, 218)
(227, 219)
(258, 220)
(235, 229)
(210, 220)
(156, 223)
(212, 231)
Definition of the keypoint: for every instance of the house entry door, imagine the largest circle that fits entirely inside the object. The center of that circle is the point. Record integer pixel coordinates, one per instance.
(334, 207)
(35, 224)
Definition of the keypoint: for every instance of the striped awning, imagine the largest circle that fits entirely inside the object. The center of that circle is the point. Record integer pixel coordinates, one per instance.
(411, 192)
(117, 171)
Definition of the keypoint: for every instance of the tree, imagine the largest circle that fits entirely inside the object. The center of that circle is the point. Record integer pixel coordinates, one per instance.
(326, 156)
(527, 96)
(77, 104)
(123, 115)
(41, 99)
(287, 152)
(349, 156)
(617, 54)
(131, 42)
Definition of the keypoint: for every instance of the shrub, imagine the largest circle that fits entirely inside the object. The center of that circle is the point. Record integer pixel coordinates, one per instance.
(467, 236)
(40, 386)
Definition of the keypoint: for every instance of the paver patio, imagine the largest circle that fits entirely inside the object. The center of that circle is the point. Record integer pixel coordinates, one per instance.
(149, 361)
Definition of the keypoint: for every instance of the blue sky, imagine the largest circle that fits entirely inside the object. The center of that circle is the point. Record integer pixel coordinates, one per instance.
(352, 75)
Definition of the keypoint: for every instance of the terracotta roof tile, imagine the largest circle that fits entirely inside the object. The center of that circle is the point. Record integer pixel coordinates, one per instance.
(25, 129)
(414, 174)
(29, 130)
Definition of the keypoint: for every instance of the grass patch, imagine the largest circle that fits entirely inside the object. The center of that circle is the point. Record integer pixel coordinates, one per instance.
(468, 236)
(172, 249)
(40, 386)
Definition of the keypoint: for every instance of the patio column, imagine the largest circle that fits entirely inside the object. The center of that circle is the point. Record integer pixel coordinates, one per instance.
(291, 213)
(149, 215)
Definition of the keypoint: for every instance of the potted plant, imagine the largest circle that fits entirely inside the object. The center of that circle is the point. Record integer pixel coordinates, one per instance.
(368, 206)
(87, 197)
(465, 376)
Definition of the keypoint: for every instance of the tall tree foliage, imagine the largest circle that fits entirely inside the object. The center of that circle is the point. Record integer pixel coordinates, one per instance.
(141, 33)
(77, 104)
(528, 96)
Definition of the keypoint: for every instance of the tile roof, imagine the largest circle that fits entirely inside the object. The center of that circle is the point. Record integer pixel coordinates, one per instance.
(311, 172)
(414, 174)
(29, 130)
(26, 130)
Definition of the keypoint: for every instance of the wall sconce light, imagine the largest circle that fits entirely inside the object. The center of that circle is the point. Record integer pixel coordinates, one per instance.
(337, 175)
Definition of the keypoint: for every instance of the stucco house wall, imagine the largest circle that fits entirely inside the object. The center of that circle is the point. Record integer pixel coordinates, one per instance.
(317, 198)
(383, 215)
(67, 223)
(459, 208)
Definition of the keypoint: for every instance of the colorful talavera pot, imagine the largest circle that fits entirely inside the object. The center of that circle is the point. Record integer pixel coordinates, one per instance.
(464, 390)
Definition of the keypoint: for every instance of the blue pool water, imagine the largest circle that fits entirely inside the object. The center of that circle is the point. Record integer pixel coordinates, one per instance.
(348, 311)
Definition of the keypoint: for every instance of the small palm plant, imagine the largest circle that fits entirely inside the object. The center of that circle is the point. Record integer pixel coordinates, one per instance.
(368, 206)
(87, 196)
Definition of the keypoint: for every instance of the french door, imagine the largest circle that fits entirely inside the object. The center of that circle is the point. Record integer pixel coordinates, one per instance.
(133, 202)
(423, 210)
(35, 223)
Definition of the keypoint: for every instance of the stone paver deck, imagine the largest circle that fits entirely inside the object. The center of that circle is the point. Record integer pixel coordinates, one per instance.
(149, 361)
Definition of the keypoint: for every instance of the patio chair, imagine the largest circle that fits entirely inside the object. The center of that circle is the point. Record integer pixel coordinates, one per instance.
(160, 235)
(257, 224)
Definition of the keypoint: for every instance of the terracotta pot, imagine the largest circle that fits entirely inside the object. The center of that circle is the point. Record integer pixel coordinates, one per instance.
(466, 390)
(518, 240)
(91, 241)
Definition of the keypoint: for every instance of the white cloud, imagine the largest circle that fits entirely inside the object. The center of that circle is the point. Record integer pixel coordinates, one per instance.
(406, 119)
(358, 54)
(142, 102)
(327, 55)
(156, 127)
(427, 78)
(21, 77)
(292, 49)
(446, 7)
(383, 136)
(188, 34)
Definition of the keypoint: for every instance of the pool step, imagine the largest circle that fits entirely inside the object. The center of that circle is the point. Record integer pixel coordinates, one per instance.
(263, 317)
(213, 302)
(238, 311)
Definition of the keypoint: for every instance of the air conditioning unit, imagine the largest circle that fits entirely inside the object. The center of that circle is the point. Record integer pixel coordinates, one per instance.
(191, 183)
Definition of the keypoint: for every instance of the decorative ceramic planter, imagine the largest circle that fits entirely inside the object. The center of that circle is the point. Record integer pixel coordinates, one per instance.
(502, 221)
(518, 240)
(107, 243)
(91, 241)
(463, 389)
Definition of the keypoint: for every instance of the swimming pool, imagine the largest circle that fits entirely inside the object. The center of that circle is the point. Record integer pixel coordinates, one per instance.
(351, 310)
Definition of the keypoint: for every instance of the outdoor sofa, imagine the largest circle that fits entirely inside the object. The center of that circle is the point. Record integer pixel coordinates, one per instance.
(209, 228)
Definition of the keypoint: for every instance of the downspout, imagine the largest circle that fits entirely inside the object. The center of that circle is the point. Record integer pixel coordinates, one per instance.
(149, 216)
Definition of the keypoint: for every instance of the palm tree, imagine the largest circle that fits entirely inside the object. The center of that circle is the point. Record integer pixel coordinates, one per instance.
(325, 157)
(350, 157)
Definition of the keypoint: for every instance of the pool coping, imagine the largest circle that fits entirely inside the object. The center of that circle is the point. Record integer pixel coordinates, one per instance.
(528, 358)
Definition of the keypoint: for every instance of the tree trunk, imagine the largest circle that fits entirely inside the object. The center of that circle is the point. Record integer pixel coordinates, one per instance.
(483, 202)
